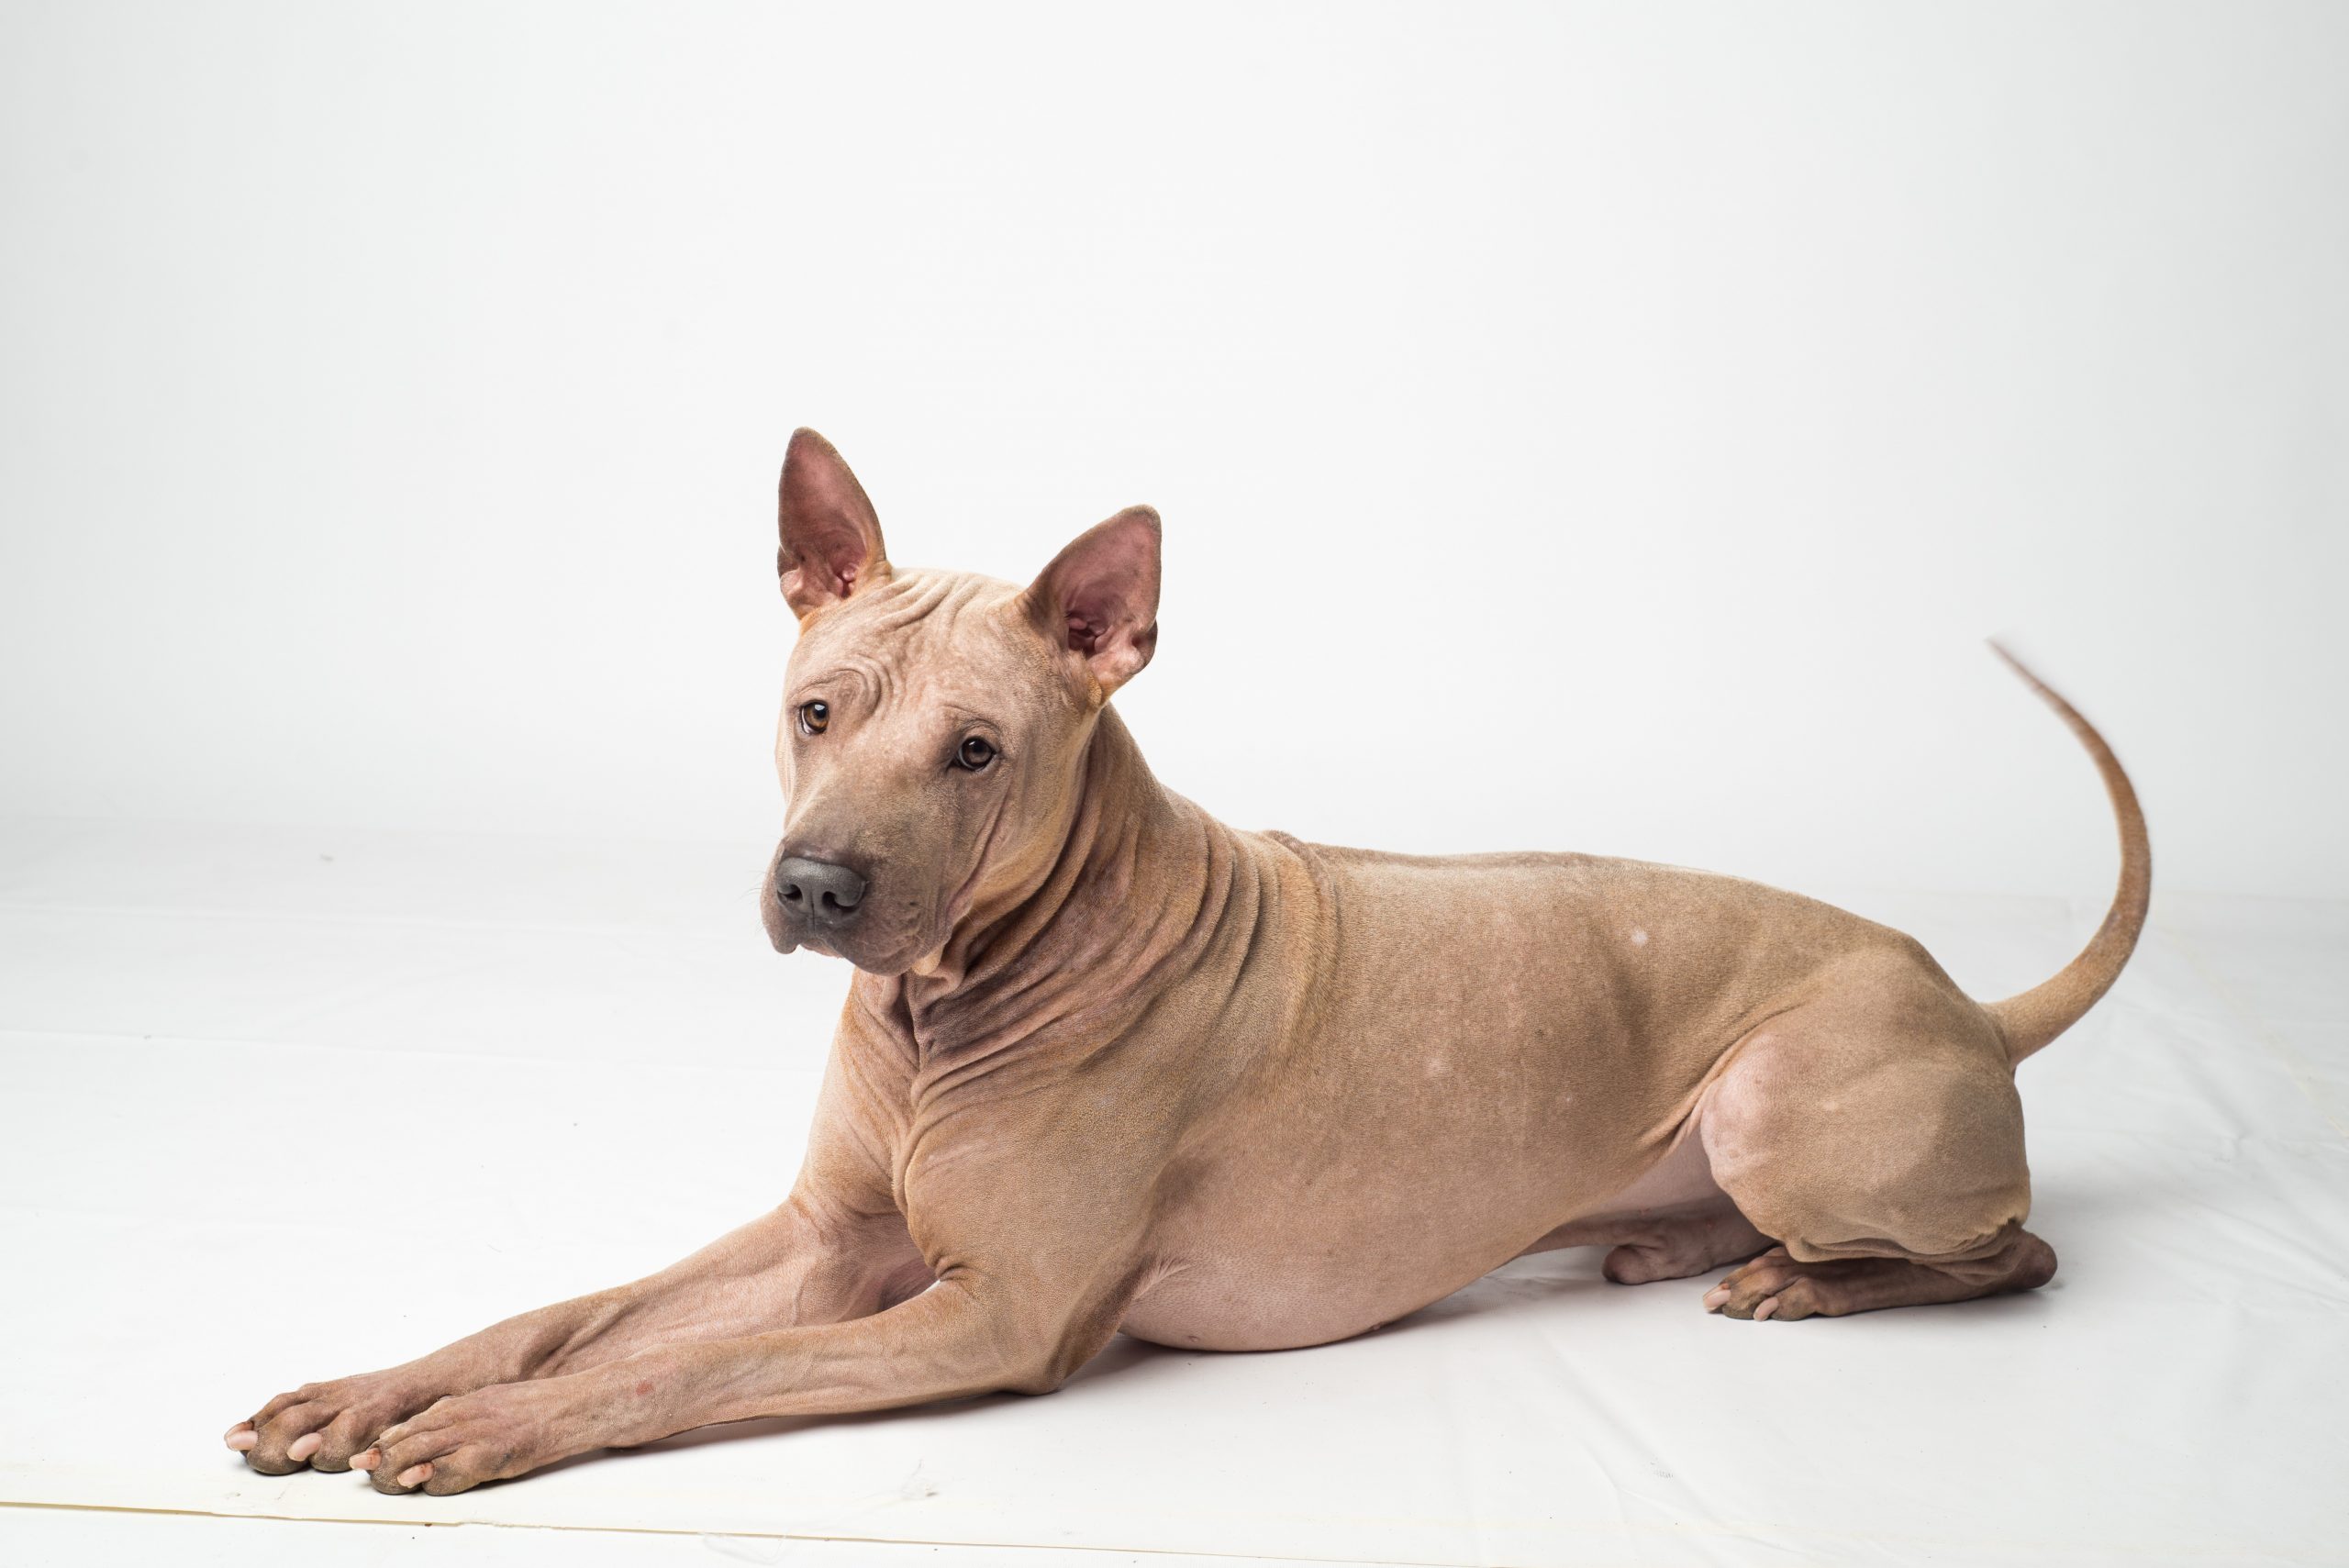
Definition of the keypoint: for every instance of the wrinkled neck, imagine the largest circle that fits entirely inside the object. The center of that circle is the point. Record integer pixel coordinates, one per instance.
(1141, 880)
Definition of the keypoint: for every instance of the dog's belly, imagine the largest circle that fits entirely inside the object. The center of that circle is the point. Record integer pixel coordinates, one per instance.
(1200, 1313)
(1245, 1300)
(1307, 1279)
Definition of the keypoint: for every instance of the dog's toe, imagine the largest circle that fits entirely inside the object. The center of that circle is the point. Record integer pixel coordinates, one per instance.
(1753, 1291)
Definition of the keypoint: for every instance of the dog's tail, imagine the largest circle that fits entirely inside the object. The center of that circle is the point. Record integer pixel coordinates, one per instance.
(2036, 1017)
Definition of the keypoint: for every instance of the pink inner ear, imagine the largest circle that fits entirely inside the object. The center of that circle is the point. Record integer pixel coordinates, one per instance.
(832, 559)
(831, 540)
(1101, 591)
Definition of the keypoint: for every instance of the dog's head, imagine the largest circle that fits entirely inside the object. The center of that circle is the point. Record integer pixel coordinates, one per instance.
(934, 723)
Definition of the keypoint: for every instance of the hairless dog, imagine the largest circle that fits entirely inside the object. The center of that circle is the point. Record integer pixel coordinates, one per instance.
(1107, 1064)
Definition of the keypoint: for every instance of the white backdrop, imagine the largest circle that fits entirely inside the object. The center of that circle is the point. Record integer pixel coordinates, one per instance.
(1577, 426)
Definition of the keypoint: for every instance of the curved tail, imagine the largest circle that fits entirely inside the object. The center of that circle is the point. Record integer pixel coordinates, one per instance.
(2037, 1016)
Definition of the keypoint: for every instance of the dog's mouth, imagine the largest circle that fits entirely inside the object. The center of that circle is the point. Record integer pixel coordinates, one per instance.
(886, 956)
(897, 937)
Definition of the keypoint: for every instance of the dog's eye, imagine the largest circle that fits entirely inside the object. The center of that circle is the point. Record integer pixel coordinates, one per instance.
(813, 717)
(974, 753)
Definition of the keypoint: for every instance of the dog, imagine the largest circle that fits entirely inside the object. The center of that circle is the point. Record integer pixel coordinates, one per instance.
(1107, 1064)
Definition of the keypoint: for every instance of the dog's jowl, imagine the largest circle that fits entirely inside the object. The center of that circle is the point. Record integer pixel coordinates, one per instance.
(1108, 1063)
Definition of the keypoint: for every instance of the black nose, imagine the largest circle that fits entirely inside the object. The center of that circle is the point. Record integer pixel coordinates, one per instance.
(818, 890)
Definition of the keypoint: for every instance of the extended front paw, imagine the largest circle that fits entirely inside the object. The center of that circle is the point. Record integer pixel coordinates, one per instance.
(323, 1425)
(459, 1442)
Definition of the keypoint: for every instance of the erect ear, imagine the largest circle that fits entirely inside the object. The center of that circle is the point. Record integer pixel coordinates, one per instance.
(1100, 596)
(831, 539)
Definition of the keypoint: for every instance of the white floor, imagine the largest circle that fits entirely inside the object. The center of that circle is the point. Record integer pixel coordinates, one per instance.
(276, 1105)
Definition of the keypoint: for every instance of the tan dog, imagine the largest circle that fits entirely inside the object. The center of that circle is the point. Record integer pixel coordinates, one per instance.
(1109, 1064)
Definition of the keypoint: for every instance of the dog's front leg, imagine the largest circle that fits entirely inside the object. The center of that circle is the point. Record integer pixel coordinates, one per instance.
(963, 1337)
(811, 1261)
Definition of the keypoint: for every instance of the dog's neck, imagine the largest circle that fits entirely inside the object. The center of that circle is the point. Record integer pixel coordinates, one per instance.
(1141, 882)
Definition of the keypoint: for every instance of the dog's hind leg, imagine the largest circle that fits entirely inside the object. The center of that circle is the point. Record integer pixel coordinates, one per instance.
(1646, 1248)
(1875, 1133)
(1776, 1285)
(1680, 1246)
(1672, 1222)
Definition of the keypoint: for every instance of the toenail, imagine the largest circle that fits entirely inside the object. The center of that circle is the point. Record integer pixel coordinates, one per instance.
(366, 1461)
(306, 1445)
(242, 1440)
(416, 1474)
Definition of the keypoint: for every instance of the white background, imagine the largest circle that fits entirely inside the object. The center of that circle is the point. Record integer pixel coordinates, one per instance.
(1602, 427)
(1588, 427)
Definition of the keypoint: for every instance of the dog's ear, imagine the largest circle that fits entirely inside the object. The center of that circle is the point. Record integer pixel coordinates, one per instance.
(1100, 596)
(831, 539)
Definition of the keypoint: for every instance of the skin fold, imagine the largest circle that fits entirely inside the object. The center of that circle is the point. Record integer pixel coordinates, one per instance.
(1107, 1063)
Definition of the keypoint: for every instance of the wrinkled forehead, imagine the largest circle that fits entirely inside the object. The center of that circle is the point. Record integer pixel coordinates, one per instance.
(928, 637)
